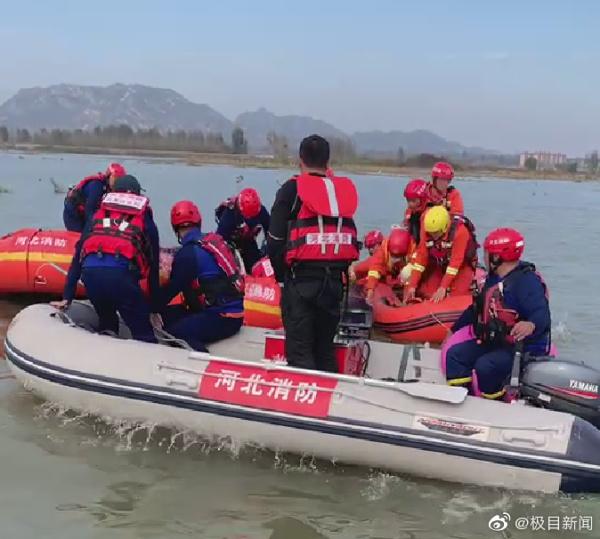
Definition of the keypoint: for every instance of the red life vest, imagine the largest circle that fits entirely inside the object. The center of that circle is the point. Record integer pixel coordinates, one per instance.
(440, 250)
(118, 229)
(75, 193)
(438, 199)
(324, 230)
(225, 288)
(243, 232)
(493, 319)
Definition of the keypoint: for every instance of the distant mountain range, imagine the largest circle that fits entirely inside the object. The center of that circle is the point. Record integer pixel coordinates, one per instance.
(69, 106)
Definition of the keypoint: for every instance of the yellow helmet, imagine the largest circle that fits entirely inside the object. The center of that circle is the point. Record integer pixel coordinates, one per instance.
(437, 220)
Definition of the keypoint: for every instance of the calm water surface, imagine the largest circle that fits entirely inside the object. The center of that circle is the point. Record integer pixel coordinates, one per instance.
(65, 476)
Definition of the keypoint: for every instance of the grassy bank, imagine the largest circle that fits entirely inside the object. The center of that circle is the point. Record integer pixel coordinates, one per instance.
(382, 168)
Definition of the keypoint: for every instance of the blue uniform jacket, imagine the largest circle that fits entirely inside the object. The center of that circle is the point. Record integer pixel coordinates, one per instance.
(191, 262)
(92, 192)
(527, 296)
(95, 261)
(231, 219)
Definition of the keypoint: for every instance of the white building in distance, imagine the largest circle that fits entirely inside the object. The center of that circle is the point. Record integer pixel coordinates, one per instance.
(544, 160)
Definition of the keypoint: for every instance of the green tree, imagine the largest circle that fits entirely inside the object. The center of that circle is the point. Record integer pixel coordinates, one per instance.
(3, 134)
(279, 146)
(401, 156)
(239, 144)
(572, 167)
(594, 161)
(531, 163)
(23, 136)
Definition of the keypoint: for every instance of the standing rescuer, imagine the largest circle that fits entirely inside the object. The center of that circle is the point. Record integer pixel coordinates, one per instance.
(83, 200)
(311, 242)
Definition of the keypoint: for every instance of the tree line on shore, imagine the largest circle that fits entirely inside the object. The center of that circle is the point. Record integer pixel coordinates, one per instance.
(125, 137)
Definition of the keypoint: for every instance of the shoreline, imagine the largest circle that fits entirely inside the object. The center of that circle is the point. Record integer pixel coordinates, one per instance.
(260, 162)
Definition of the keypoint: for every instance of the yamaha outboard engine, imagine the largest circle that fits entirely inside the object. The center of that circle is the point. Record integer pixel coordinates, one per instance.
(564, 387)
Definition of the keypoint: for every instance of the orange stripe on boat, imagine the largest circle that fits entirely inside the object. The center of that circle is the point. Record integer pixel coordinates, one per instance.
(35, 257)
(261, 307)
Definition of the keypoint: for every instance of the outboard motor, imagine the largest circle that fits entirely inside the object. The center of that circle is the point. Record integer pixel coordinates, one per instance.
(564, 387)
(357, 318)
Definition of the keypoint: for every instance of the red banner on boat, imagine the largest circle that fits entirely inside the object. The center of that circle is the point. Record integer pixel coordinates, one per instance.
(267, 389)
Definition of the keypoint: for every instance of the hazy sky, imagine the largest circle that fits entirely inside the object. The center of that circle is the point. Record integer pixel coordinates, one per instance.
(508, 75)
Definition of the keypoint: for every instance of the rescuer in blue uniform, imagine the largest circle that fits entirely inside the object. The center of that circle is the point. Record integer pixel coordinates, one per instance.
(512, 308)
(118, 247)
(84, 199)
(240, 220)
(204, 270)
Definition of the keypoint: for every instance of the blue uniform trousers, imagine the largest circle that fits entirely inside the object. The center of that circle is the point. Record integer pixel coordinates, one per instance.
(492, 366)
(115, 290)
(201, 328)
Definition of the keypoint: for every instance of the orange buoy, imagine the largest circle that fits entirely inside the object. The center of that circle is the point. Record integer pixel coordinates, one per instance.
(261, 302)
(418, 322)
(36, 261)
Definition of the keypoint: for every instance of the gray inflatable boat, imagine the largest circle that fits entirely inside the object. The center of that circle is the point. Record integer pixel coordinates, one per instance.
(395, 412)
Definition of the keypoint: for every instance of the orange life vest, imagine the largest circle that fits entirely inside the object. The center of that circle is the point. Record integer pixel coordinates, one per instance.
(441, 249)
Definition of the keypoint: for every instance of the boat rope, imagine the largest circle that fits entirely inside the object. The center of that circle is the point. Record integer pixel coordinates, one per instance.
(340, 393)
(164, 337)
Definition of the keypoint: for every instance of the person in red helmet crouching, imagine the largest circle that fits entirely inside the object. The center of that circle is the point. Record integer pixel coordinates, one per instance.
(240, 220)
(372, 240)
(83, 199)
(445, 260)
(204, 271)
(511, 310)
(388, 260)
(441, 193)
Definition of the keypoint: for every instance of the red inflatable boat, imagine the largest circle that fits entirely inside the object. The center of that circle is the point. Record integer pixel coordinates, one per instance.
(418, 322)
(36, 261)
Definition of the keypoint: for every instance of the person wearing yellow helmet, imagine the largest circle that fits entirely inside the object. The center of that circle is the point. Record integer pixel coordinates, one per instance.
(445, 259)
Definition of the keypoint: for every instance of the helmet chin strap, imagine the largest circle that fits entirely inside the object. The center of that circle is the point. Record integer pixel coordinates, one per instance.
(495, 263)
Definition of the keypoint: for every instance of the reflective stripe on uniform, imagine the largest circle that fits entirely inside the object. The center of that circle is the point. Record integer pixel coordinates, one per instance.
(493, 396)
(375, 274)
(460, 381)
(332, 197)
(451, 271)
(418, 267)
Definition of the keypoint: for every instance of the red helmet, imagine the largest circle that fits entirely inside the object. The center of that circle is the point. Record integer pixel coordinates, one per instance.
(507, 244)
(185, 213)
(249, 203)
(116, 169)
(373, 238)
(417, 189)
(443, 171)
(398, 242)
